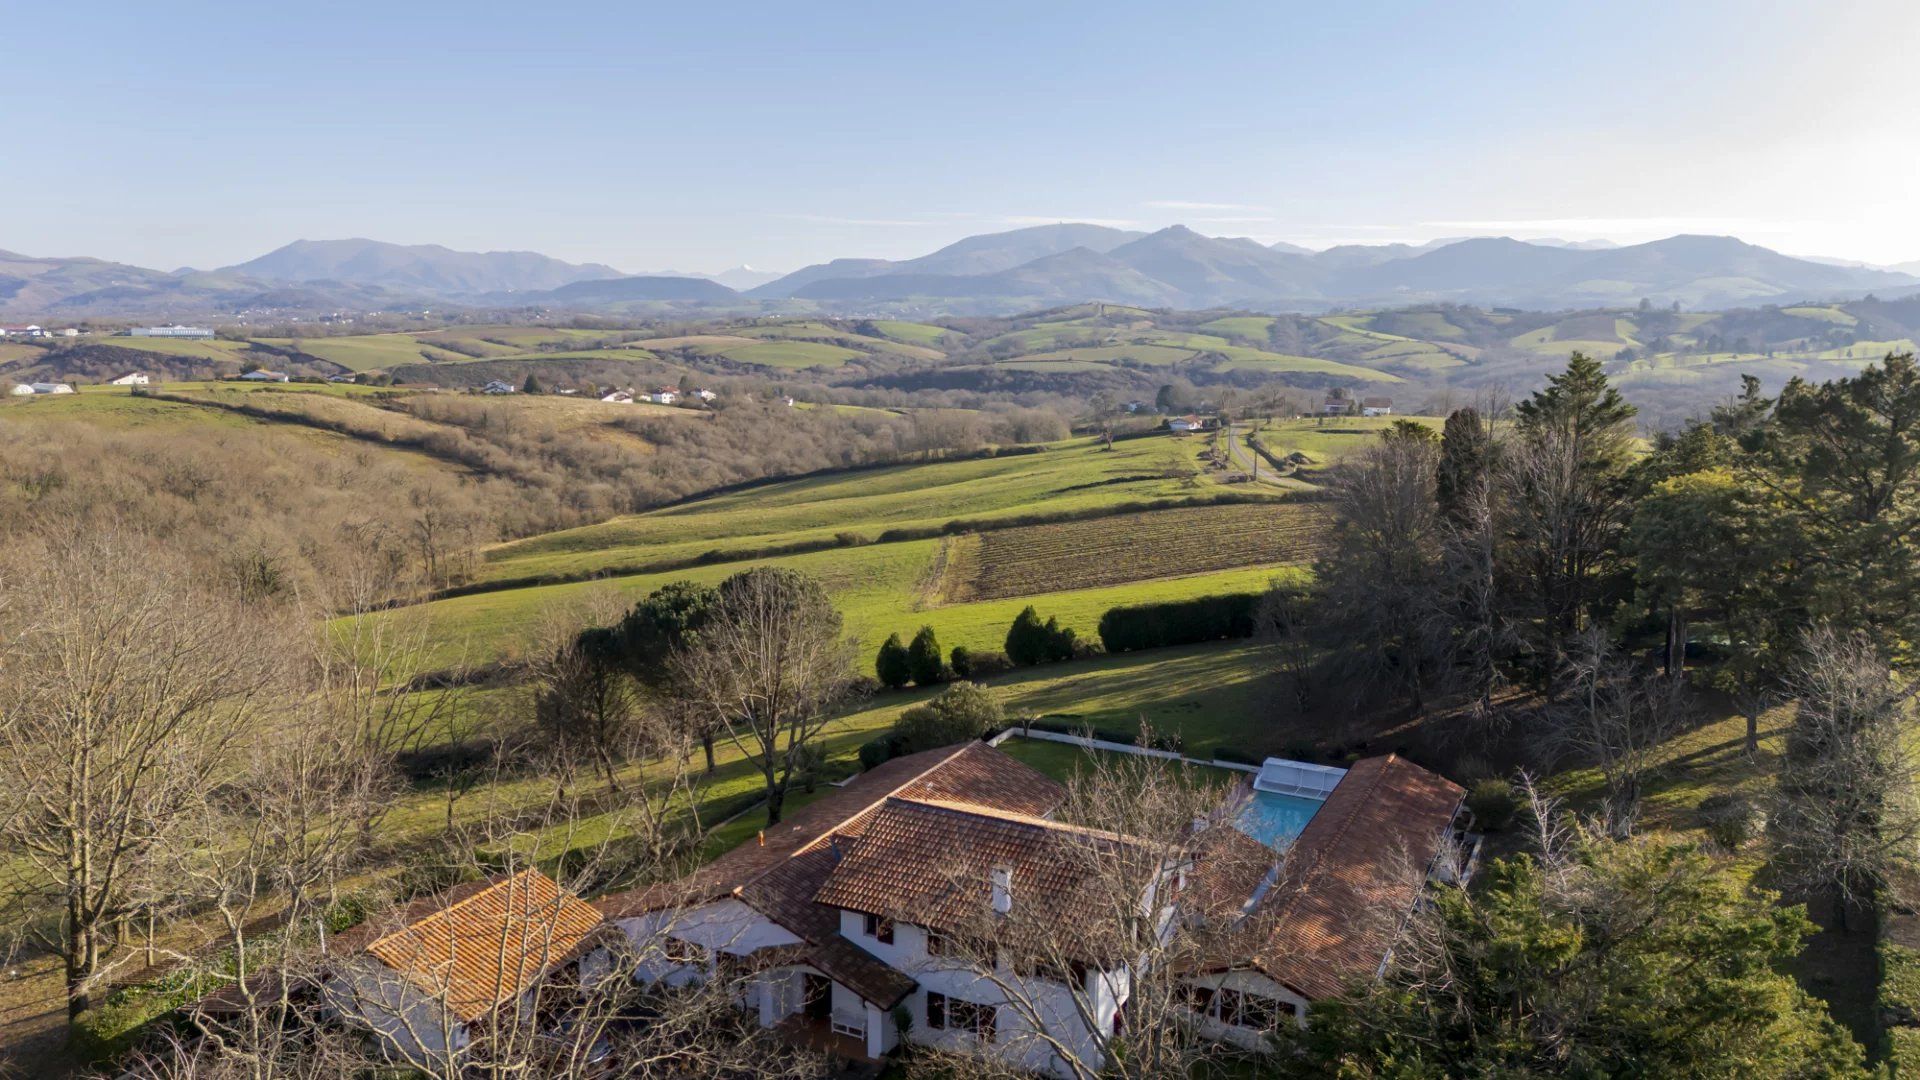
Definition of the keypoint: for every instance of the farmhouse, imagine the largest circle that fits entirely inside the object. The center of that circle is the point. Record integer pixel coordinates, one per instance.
(705, 394)
(618, 397)
(263, 375)
(848, 912)
(1337, 404)
(665, 395)
(23, 331)
(175, 331)
(1376, 406)
(429, 981)
(496, 386)
(1191, 423)
(132, 378)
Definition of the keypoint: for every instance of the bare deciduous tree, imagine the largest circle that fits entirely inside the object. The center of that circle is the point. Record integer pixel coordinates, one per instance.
(1134, 935)
(123, 690)
(1846, 815)
(769, 665)
(1619, 720)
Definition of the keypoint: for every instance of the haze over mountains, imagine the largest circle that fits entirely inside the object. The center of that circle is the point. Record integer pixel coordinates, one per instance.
(994, 273)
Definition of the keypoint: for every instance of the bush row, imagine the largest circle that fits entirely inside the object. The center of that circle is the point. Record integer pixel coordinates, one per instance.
(1179, 622)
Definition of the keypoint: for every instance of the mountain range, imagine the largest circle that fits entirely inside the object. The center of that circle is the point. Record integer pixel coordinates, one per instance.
(995, 273)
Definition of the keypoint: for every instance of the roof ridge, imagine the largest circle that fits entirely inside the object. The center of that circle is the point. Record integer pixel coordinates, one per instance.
(827, 834)
(961, 806)
(451, 908)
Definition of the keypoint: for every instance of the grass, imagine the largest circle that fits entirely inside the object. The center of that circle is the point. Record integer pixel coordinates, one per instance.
(792, 354)
(1068, 477)
(879, 590)
(1253, 327)
(366, 352)
(913, 333)
(191, 348)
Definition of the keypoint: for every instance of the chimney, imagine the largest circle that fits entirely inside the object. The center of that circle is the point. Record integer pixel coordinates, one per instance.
(1002, 879)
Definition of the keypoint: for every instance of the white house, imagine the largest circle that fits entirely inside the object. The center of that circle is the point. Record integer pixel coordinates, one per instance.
(428, 985)
(24, 389)
(496, 386)
(846, 914)
(132, 378)
(22, 331)
(665, 395)
(1376, 406)
(263, 375)
(705, 394)
(1337, 404)
(618, 397)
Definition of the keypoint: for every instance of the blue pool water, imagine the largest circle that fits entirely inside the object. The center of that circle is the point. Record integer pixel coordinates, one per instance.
(1275, 820)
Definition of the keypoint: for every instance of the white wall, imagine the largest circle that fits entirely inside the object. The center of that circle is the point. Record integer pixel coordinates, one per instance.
(1015, 1038)
(723, 926)
(1251, 982)
(371, 995)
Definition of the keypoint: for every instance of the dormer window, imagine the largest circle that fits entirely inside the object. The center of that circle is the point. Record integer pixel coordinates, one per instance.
(879, 928)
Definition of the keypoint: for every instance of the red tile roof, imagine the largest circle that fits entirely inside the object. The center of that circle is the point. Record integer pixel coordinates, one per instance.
(931, 864)
(781, 877)
(488, 947)
(1352, 876)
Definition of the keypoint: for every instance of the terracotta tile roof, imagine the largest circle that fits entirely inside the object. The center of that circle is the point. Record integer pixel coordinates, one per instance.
(861, 972)
(781, 877)
(491, 945)
(760, 873)
(1354, 871)
(1228, 869)
(931, 863)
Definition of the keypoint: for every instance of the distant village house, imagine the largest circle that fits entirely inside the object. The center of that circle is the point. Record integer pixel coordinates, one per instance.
(263, 375)
(132, 378)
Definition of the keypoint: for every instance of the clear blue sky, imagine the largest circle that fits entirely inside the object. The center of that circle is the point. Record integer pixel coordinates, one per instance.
(696, 136)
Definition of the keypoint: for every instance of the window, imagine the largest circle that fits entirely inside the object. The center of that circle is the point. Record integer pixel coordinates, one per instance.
(879, 928)
(953, 1014)
(970, 1016)
(1231, 1011)
(936, 945)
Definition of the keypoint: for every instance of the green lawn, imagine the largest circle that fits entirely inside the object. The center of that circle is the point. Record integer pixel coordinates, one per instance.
(792, 354)
(1071, 476)
(913, 333)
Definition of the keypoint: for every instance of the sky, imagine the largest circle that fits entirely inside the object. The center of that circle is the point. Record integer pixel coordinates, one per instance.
(696, 137)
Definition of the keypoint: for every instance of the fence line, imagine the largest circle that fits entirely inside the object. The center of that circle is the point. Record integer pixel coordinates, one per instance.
(1089, 743)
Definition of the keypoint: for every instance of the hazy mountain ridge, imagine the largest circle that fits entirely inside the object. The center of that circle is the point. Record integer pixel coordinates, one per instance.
(995, 273)
(425, 267)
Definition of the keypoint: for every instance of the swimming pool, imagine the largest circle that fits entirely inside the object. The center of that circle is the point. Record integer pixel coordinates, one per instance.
(1275, 819)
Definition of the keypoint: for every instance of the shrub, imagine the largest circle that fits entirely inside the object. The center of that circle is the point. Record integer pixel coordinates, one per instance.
(988, 662)
(961, 661)
(1179, 622)
(924, 659)
(892, 665)
(1493, 804)
(879, 750)
(1731, 819)
(961, 712)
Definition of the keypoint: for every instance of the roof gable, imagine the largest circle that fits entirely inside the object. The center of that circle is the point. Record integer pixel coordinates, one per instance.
(489, 946)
